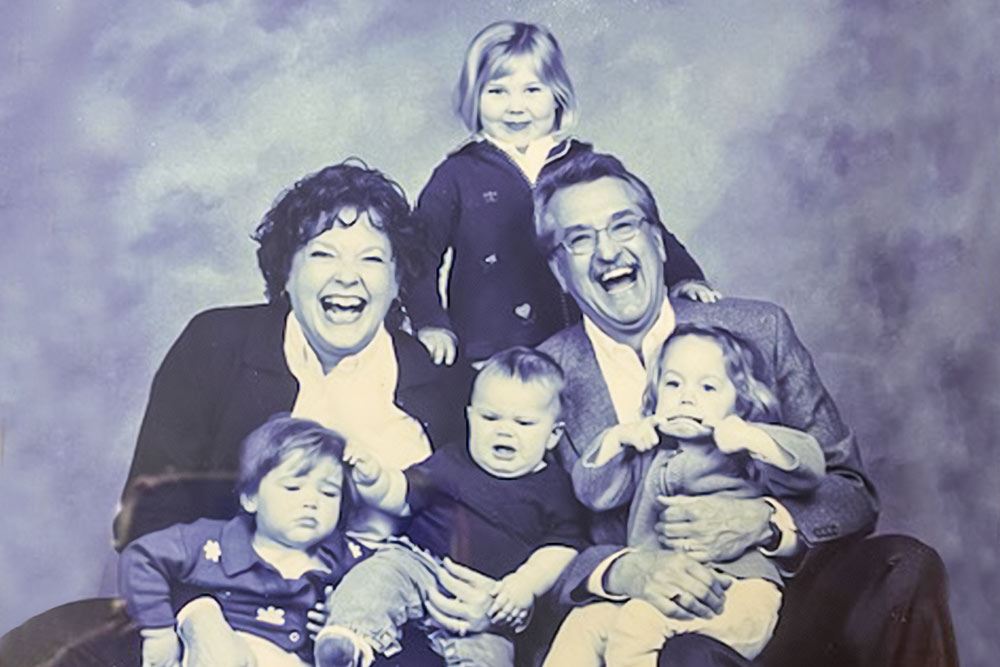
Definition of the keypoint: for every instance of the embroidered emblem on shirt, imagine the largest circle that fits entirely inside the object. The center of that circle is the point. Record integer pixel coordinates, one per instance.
(492, 259)
(523, 311)
(213, 551)
(271, 615)
(490, 196)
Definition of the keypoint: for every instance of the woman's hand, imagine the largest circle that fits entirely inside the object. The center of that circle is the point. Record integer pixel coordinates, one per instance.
(467, 609)
(441, 343)
(695, 290)
(317, 615)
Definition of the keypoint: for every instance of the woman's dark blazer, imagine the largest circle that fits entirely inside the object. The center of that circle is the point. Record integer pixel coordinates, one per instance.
(226, 375)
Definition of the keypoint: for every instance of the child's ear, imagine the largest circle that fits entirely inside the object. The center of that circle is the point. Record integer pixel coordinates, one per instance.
(249, 502)
(556, 435)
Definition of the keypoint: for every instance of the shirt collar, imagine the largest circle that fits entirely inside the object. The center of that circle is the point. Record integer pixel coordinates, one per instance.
(302, 358)
(662, 327)
(532, 159)
(238, 555)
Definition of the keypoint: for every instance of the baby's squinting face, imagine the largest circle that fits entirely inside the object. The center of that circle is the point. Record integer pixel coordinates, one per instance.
(695, 390)
(511, 424)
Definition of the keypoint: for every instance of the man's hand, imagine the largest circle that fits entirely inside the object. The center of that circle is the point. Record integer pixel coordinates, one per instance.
(160, 648)
(514, 598)
(441, 344)
(208, 639)
(675, 584)
(712, 528)
(467, 609)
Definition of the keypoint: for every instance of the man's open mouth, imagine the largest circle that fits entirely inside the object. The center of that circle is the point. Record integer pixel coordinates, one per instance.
(618, 278)
(343, 308)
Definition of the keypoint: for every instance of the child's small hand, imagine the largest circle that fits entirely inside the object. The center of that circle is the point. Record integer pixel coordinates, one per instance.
(160, 648)
(731, 435)
(365, 468)
(641, 435)
(441, 343)
(695, 290)
(513, 599)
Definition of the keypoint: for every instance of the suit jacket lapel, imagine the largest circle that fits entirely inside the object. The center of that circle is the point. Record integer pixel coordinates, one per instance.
(589, 410)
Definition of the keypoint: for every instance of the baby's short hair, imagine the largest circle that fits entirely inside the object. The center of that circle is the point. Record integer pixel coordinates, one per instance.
(527, 365)
(754, 401)
(490, 50)
(282, 436)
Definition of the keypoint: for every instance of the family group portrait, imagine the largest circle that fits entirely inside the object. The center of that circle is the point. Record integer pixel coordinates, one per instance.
(645, 333)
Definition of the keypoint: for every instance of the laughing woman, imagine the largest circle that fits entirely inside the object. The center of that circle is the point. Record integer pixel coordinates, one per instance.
(334, 251)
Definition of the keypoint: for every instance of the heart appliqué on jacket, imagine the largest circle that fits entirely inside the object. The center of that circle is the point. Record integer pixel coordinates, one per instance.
(523, 311)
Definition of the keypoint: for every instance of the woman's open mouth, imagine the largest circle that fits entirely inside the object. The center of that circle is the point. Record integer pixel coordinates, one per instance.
(343, 309)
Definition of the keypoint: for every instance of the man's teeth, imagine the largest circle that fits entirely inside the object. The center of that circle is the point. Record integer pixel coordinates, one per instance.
(616, 275)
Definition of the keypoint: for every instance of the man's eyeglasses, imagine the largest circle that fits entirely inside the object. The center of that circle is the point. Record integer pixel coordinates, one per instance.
(583, 240)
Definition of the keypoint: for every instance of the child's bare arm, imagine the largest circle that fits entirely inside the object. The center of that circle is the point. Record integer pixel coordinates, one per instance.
(515, 594)
(381, 486)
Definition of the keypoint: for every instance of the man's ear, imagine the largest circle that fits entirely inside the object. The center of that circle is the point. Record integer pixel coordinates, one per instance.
(661, 245)
(249, 502)
(556, 435)
(554, 268)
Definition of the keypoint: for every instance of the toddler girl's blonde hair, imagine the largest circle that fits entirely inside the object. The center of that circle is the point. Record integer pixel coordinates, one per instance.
(489, 52)
(754, 401)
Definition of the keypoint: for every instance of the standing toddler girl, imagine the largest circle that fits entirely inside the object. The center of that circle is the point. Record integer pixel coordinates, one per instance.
(515, 96)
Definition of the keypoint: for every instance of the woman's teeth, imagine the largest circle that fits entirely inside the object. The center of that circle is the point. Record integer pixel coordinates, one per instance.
(342, 303)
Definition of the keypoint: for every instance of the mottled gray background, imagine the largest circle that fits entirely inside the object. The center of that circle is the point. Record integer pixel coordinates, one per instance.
(840, 158)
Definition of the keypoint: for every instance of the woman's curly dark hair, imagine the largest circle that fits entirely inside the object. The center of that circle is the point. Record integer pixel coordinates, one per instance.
(308, 209)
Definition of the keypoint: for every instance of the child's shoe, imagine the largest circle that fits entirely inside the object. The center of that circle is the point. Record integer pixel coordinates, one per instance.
(340, 647)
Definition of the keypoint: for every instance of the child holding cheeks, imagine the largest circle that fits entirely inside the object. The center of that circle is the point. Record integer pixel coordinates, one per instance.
(495, 506)
(516, 98)
(265, 568)
(701, 395)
